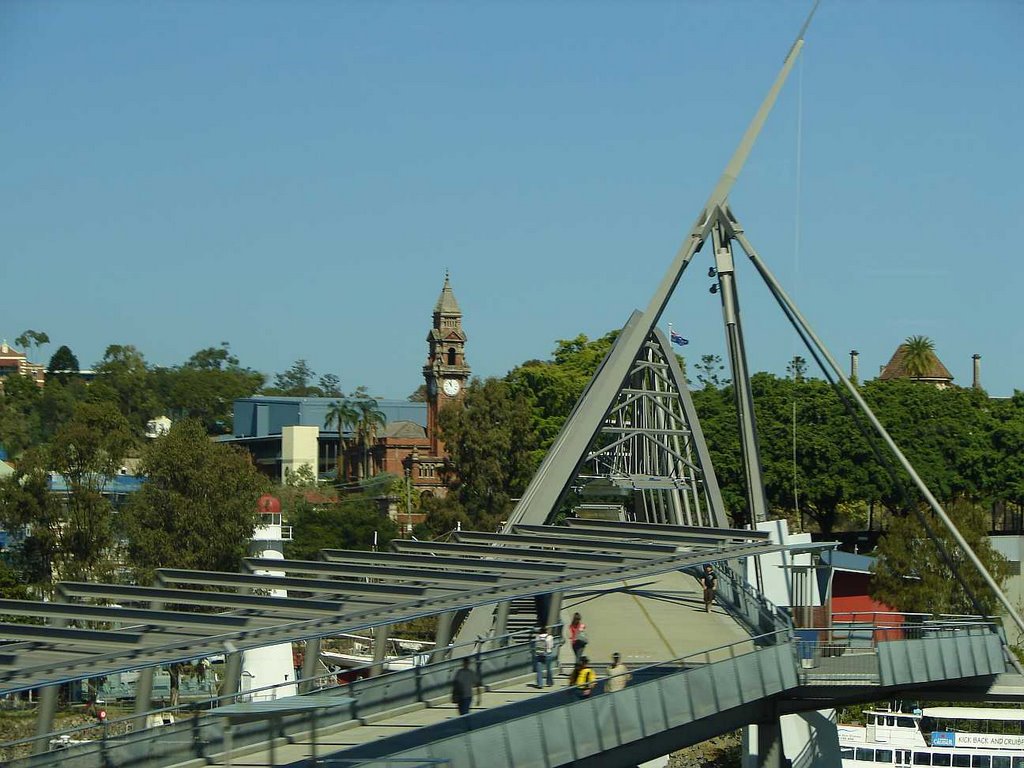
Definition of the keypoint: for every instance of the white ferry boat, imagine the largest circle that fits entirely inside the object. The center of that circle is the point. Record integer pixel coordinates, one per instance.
(948, 737)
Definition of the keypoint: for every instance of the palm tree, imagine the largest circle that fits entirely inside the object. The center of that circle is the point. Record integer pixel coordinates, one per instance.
(344, 414)
(918, 356)
(369, 422)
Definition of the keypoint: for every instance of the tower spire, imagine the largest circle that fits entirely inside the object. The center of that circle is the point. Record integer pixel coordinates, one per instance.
(446, 303)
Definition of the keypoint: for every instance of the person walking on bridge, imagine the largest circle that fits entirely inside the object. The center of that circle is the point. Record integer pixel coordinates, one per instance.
(463, 685)
(543, 654)
(577, 635)
(709, 582)
(584, 678)
(618, 675)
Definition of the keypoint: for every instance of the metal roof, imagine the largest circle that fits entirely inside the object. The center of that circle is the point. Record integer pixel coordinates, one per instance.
(166, 623)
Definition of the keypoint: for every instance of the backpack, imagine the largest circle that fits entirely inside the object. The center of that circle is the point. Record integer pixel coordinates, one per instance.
(542, 644)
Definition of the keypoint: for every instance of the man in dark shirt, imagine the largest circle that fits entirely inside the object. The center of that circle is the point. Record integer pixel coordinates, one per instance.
(709, 581)
(462, 687)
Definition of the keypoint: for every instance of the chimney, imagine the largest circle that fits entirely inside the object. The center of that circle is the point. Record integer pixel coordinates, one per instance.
(977, 370)
(854, 364)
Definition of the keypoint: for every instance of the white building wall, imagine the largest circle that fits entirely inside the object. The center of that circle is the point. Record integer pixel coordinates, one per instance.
(299, 446)
(776, 568)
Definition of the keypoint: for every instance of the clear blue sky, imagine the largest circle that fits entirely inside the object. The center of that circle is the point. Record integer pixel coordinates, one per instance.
(294, 177)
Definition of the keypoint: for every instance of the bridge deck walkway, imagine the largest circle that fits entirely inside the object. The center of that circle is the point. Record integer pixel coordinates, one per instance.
(295, 748)
(645, 620)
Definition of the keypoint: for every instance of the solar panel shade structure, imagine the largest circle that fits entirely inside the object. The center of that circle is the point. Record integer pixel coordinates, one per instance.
(362, 589)
(330, 567)
(576, 542)
(653, 530)
(498, 561)
(481, 574)
(522, 551)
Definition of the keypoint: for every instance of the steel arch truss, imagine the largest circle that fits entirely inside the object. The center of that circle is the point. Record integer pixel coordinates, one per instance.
(651, 446)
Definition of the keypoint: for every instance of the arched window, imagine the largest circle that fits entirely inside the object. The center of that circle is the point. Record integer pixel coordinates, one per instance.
(451, 355)
(426, 495)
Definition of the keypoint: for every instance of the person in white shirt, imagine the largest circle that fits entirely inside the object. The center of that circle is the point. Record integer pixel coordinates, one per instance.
(543, 656)
(618, 675)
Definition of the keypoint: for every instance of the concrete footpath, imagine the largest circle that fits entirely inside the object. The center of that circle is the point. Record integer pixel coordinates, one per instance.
(648, 620)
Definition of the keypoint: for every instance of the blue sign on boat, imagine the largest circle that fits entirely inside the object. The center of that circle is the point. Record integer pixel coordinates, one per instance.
(943, 739)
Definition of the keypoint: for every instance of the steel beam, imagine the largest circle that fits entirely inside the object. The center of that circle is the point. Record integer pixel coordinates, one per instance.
(95, 638)
(196, 598)
(437, 578)
(627, 548)
(224, 579)
(576, 559)
(654, 530)
(110, 614)
(501, 563)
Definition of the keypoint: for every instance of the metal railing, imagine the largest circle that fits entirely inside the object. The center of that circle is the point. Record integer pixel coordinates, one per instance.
(561, 727)
(372, 694)
(847, 652)
(384, 762)
(748, 605)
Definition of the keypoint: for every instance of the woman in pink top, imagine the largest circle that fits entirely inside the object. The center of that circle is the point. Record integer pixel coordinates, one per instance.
(577, 635)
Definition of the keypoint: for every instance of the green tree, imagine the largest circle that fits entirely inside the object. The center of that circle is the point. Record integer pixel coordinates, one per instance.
(30, 339)
(797, 368)
(57, 405)
(1007, 440)
(19, 416)
(29, 508)
(442, 517)
(330, 385)
(63, 365)
(205, 387)
(197, 508)
(88, 452)
(918, 356)
(945, 433)
(343, 414)
(709, 372)
(296, 382)
(832, 462)
(552, 387)
(123, 378)
(912, 575)
(488, 437)
(353, 523)
(370, 421)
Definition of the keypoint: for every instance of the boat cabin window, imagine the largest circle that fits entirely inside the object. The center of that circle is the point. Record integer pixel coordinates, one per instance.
(905, 722)
(923, 758)
(883, 756)
(981, 761)
(890, 720)
(1000, 761)
(961, 761)
(1018, 762)
(868, 755)
(940, 758)
(871, 718)
(846, 753)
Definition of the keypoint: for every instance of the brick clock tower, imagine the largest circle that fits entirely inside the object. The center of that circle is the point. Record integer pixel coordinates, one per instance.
(446, 371)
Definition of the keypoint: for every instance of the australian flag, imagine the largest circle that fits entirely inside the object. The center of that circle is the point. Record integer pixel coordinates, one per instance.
(677, 339)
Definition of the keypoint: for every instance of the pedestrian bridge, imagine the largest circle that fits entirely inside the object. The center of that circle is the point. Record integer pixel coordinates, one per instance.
(404, 718)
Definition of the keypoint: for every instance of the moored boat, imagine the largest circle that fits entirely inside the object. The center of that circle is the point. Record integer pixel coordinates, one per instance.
(947, 737)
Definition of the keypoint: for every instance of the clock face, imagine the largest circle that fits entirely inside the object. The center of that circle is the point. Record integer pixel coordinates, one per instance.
(451, 387)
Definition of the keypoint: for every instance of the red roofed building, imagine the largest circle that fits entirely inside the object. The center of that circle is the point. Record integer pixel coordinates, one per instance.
(13, 362)
(937, 373)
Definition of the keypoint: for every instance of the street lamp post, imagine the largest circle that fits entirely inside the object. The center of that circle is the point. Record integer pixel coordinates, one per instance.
(413, 458)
